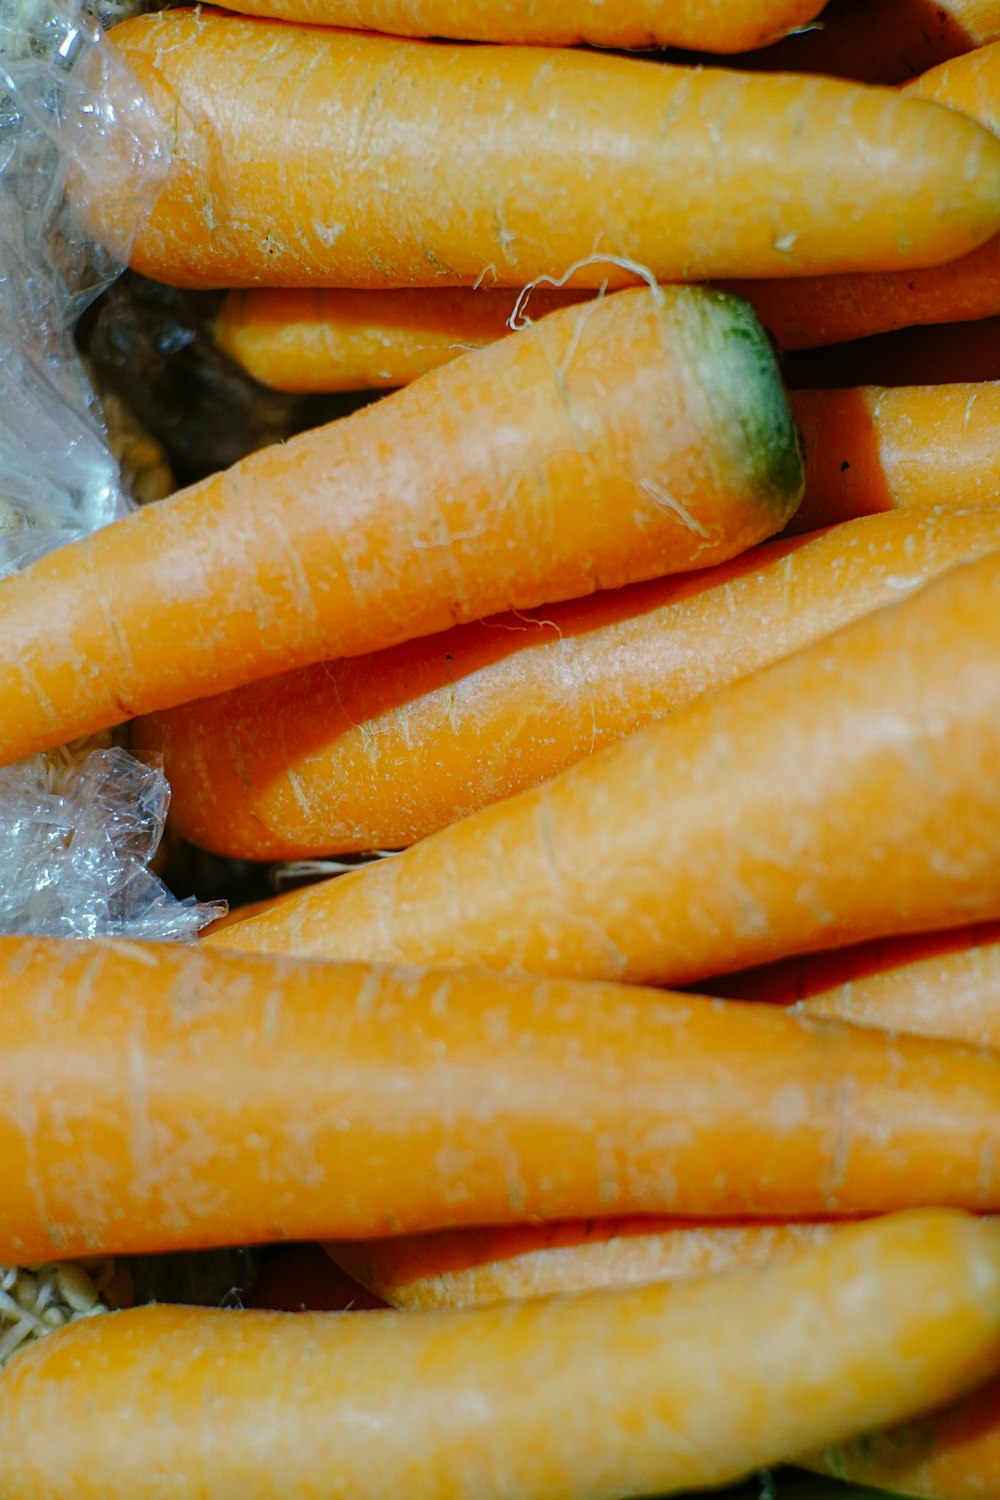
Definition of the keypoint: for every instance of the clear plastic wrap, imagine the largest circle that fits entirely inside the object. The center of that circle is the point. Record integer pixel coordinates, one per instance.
(78, 829)
(78, 826)
(58, 477)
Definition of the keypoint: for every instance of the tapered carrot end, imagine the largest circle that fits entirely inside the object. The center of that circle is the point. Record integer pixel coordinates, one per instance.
(753, 406)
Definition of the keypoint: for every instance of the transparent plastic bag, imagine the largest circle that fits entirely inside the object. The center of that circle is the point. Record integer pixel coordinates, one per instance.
(58, 477)
(79, 826)
(78, 829)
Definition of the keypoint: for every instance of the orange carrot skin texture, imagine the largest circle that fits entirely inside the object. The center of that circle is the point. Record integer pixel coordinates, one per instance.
(251, 1100)
(789, 811)
(313, 340)
(734, 26)
(372, 132)
(380, 751)
(872, 448)
(637, 436)
(467, 1267)
(830, 310)
(951, 1455)
(636, 1391)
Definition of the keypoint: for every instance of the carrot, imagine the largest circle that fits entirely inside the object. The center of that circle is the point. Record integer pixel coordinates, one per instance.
(882, 41)
(637, 1391)
(732, 26)
(306, 340)
(914, 957)
(951, 1455)
(970, 83)
(504, 1263)
(789, 811)
(251, 1099)
(870, 449)
(635, 437)
(302, 158)
(383, 750)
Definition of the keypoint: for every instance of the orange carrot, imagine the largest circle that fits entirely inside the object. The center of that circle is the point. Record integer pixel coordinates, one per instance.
(504, 1263)
(730, 26)
(637, 1391)
(250, 1099)
(792, 810)
(305, 340)
(382, 750)
(952, 1455)
(828, 310)
(636, 436)
(882, 41)
(871, 449)
(305, 156)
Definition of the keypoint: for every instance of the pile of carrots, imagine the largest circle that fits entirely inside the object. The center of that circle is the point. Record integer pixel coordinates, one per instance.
(654, 1081)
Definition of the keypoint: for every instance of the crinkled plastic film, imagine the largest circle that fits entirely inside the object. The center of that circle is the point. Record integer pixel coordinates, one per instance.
(58, 477)
(78, 826)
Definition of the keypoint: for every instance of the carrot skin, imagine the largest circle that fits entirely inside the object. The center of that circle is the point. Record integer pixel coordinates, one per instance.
(380, 751)
(787, 812)
(953, 1454)
(253, 1100)
(377, 130)
(734, 26)
(636, 436)
(873, 449)
(636, 1391)
(504, 1263)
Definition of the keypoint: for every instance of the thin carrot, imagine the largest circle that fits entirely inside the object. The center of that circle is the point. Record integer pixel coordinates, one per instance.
(249, 1099)
(871, 449)
(637, 436)
(312, 340)
(729, 26)
(790, 811)
(382, 750)
(915, 957)
(951, 1455)
(639, 1391)
(970, 83)
(504, 1263)
(309, 156)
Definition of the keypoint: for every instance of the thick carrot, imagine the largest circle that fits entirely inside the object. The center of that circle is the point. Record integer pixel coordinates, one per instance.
(380, 751)
(951, 1455)
(248, 1099)
(504, 1263)
(828, 310)
(729, 26)
(792, 810)
(639, 435)
(308, 156)
(873, 448)
(312, 340)
(639, 1391)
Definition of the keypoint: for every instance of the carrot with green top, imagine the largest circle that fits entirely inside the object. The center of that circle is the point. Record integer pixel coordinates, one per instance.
(249, 1099)
(637, 1391)
(305, 156)
(789, 811)
(382, 750)
(642, 434)
(713, 25)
